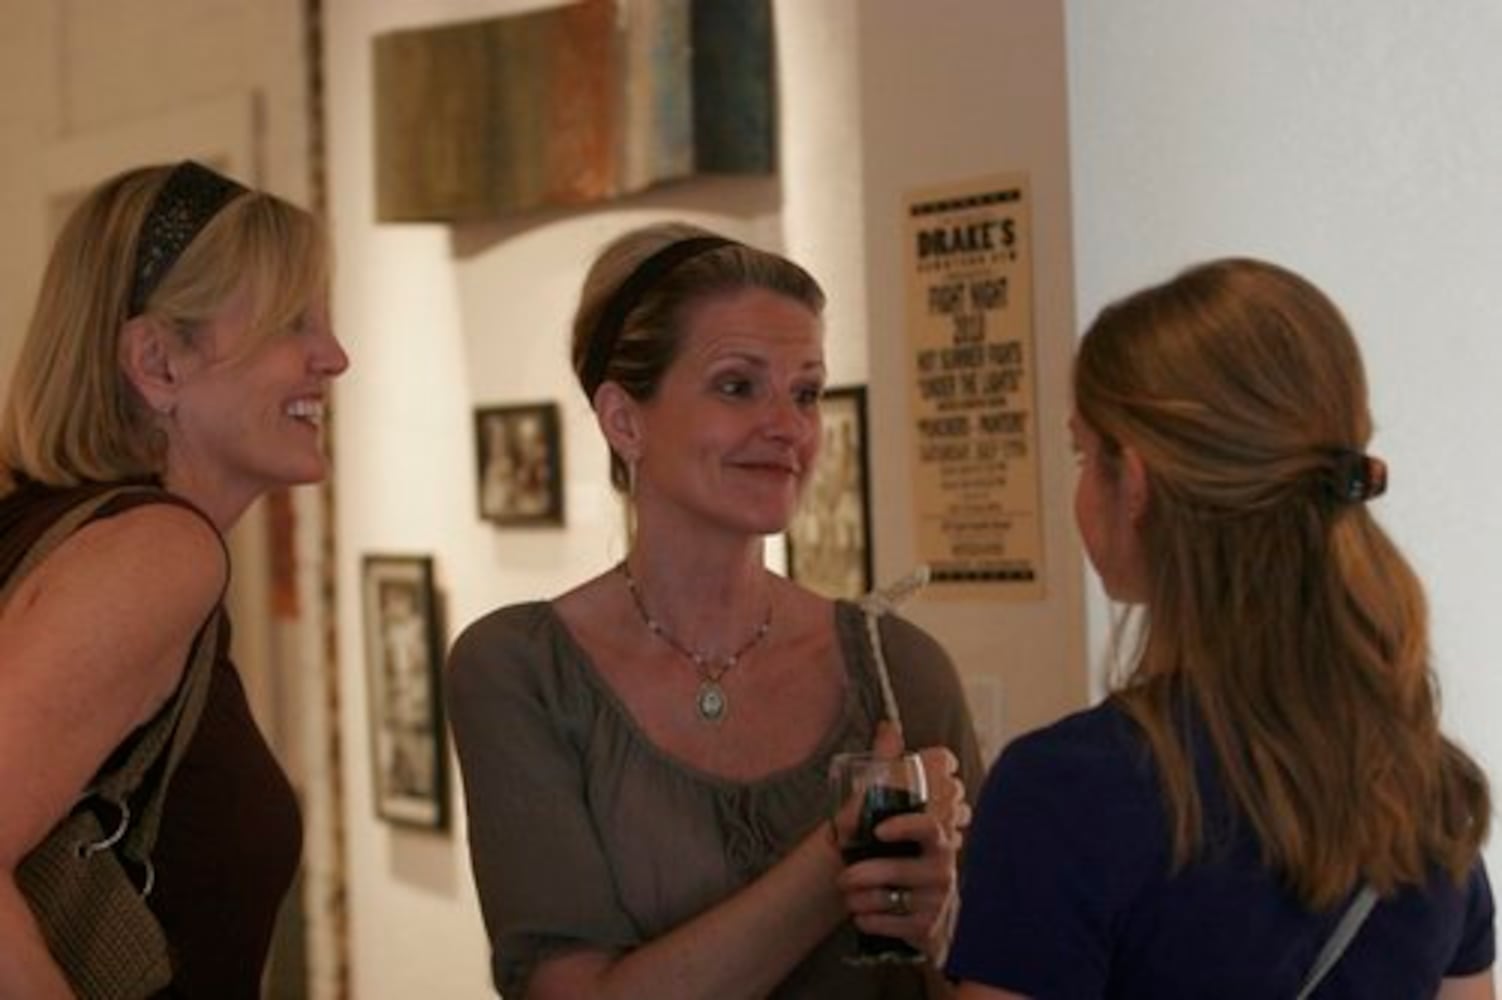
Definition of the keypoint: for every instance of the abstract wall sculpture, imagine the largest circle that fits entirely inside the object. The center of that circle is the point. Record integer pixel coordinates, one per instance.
(570, 105)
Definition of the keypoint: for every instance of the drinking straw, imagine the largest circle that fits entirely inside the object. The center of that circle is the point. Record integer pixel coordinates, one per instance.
(881, 601)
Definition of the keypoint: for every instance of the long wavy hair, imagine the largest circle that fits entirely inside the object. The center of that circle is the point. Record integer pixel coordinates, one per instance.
(1279, 616)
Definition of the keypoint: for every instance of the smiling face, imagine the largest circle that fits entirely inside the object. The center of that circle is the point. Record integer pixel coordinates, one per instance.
(248, 408)
(732, 433)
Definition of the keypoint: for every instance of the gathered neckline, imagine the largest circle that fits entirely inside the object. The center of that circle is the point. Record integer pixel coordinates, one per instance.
(833, 736)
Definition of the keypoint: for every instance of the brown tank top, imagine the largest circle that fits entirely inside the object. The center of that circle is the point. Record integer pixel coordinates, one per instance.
(231, 833)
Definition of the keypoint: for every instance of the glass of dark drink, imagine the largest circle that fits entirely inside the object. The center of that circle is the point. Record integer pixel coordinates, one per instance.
(865, 790)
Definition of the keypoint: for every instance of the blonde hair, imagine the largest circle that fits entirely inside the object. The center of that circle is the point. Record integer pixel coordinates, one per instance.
(1279, 618)
(71, 415)
(651, 332)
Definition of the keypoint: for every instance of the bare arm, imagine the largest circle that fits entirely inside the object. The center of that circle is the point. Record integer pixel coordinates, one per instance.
(26, 967)
(1477, 987)
(91, 644)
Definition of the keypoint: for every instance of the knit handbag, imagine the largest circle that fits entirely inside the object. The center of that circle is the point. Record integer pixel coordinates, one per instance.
(92, 913)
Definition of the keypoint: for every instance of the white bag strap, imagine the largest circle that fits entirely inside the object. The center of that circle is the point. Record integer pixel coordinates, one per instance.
(1340, 938)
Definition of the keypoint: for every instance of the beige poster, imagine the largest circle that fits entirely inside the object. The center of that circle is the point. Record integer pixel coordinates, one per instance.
(972, 389)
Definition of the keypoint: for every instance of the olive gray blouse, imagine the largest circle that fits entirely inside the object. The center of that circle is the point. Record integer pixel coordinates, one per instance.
(583, 834)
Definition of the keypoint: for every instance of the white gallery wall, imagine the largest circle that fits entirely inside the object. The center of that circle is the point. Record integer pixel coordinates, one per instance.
(1360, 143)
(953, 90)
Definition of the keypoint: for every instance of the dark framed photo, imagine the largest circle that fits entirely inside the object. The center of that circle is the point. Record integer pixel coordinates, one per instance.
(403, 654)
(829, 541)
(520, 470)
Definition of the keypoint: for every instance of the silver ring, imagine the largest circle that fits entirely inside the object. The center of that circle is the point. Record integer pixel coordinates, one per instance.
(899, 901)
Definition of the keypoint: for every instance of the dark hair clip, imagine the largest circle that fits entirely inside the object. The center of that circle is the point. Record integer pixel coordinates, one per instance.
(191, 196)
(1359, 477)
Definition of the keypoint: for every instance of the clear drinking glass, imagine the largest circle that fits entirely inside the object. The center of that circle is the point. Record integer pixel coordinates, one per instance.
(865, 790)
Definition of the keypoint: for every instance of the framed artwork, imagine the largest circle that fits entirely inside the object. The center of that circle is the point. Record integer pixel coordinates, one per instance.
(829, 541)
(519, 468)
(403, 654)
(570, 105)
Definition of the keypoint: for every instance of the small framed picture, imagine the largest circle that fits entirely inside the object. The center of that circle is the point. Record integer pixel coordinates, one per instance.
(520, 470)
(829, 541)
(403, 653)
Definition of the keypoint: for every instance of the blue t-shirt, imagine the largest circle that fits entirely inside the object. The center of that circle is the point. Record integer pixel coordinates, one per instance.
(1067, 892)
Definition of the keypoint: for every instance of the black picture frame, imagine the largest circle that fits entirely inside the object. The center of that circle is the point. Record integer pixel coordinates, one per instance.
(829, 539)
(403, 657)
(519, 464)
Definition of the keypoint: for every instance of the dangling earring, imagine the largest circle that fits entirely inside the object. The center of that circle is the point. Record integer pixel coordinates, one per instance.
(628, 503)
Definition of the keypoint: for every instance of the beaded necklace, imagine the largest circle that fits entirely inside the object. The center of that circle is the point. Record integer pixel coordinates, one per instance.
(711, 701)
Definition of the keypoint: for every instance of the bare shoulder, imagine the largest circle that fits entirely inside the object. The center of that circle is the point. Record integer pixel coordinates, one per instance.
(94, 640)
(126, 593)
(156, 546)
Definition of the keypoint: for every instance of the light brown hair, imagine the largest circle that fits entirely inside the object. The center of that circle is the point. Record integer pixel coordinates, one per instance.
(652, 331)
(1279, 618)
(71, 415)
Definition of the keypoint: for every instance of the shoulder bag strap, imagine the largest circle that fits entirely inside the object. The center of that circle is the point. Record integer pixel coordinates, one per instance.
(172, 727)
(74, 518)
(1340, 938)
(166, 738)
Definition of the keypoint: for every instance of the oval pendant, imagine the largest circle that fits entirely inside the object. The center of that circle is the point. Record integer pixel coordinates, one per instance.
(711, 701)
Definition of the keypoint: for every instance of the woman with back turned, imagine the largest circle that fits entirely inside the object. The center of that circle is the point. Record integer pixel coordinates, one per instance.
(1272, 764)
(645, 756)
(175, 370)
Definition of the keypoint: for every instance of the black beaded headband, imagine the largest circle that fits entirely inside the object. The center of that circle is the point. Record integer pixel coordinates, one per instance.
(191, 196)
(1359, 477)
(626, 297)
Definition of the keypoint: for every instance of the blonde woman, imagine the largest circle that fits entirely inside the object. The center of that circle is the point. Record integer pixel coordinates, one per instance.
(1272, 763)
(180, 342)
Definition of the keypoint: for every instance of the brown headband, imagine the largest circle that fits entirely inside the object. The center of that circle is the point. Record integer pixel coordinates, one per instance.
(625, 298)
